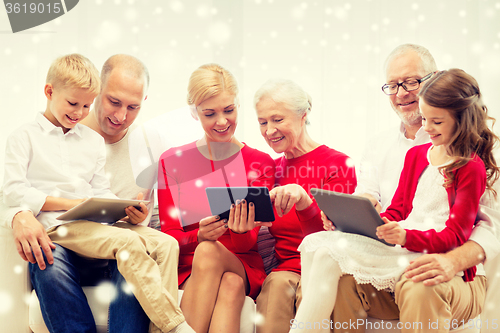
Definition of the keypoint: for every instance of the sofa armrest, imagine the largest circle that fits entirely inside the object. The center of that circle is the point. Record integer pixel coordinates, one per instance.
(15, 286)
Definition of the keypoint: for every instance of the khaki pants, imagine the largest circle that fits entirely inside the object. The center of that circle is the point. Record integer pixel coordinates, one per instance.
(419, 308)
(278, 301)
(146, 258)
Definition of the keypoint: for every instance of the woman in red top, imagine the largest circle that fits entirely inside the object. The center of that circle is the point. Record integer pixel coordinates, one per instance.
(282, 108)
(218, 263)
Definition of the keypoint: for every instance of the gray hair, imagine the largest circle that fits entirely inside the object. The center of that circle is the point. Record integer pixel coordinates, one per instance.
(287, 92)
(428, 63)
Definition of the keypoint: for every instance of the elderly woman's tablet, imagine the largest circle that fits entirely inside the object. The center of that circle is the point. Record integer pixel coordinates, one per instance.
(221, 199)
(349, 213)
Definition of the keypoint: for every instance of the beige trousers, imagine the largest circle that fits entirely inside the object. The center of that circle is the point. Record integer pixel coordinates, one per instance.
(278, 301)
(146, 258)
(419, 308)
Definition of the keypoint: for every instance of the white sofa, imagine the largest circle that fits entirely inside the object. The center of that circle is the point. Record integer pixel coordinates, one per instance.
(20, 310)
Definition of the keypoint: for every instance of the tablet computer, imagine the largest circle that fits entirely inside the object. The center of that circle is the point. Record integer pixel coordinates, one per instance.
(102, 210)
(221, 199)
(349, 213)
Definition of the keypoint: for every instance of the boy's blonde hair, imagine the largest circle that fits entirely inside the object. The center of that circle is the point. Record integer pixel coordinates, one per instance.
(76, 71)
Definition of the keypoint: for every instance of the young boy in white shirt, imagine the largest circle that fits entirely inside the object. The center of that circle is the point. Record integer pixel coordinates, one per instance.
(54, 163)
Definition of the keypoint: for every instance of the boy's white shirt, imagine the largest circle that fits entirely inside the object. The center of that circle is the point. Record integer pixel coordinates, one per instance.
(41, 161)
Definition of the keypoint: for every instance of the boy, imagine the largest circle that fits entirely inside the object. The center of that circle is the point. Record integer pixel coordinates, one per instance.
(54, 163)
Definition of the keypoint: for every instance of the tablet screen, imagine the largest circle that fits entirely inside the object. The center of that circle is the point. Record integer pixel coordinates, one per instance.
(221, 199)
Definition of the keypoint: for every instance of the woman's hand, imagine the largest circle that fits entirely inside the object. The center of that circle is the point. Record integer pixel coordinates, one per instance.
(211, 228)
(136, 216)
(284, 197)
(240, 221)
(327, 224)
(391, 232)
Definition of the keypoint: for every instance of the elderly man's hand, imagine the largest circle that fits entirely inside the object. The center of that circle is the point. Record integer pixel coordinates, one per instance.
(31, 239)
(374, 201)
(432, 269)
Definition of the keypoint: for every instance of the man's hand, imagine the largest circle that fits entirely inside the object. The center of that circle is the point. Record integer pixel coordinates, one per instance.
(285, 197)
(374, 201)
(31, 239)
(136, 216)
(211, 228)
(442, 267)
(432, 269)
(391, 232)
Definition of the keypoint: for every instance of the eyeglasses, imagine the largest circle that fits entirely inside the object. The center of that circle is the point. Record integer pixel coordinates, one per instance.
(408, 85)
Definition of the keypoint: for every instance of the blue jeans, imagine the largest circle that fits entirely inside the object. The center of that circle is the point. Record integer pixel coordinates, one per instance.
(64, 305)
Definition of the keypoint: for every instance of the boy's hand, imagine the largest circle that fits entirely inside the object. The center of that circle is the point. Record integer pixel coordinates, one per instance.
(391, 232)
(136, 216)
(31, 239)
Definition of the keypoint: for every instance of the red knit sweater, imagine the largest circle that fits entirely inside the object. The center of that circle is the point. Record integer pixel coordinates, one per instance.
(321, 168)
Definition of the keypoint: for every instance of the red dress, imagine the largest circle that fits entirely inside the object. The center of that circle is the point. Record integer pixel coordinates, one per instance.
(183, 175)
(323, 168)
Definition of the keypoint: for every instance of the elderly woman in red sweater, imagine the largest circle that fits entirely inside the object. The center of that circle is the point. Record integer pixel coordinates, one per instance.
(282, 108)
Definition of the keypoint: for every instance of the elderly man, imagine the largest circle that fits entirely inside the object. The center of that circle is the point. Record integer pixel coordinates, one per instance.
(429, 291)
(125, 81)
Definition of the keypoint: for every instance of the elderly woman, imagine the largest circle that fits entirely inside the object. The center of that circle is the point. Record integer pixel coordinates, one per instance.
(218, 263)
(282, 109)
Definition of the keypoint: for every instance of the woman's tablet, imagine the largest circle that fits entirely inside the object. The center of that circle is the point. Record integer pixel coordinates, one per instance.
(221, 199)
(102, 210)
(349, 213)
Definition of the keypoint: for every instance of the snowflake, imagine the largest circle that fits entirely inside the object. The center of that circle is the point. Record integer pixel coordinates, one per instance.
(62, 231)
(105, 292)
(124, 255)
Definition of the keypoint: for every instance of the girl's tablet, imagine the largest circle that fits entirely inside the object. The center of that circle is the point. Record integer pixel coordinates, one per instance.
(349, 213)
(221, 199)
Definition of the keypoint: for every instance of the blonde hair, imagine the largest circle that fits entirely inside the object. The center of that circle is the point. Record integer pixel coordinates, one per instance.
(208, 81)
(74, 70)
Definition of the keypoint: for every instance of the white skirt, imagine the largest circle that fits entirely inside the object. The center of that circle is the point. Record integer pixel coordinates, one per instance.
(367, 260)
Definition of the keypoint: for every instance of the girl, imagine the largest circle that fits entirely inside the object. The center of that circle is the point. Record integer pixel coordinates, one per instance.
(436, 202)
(218, 263)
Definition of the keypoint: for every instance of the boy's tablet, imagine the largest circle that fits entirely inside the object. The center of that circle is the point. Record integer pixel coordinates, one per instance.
(349, 213)
(221, 198)
(100, 210)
